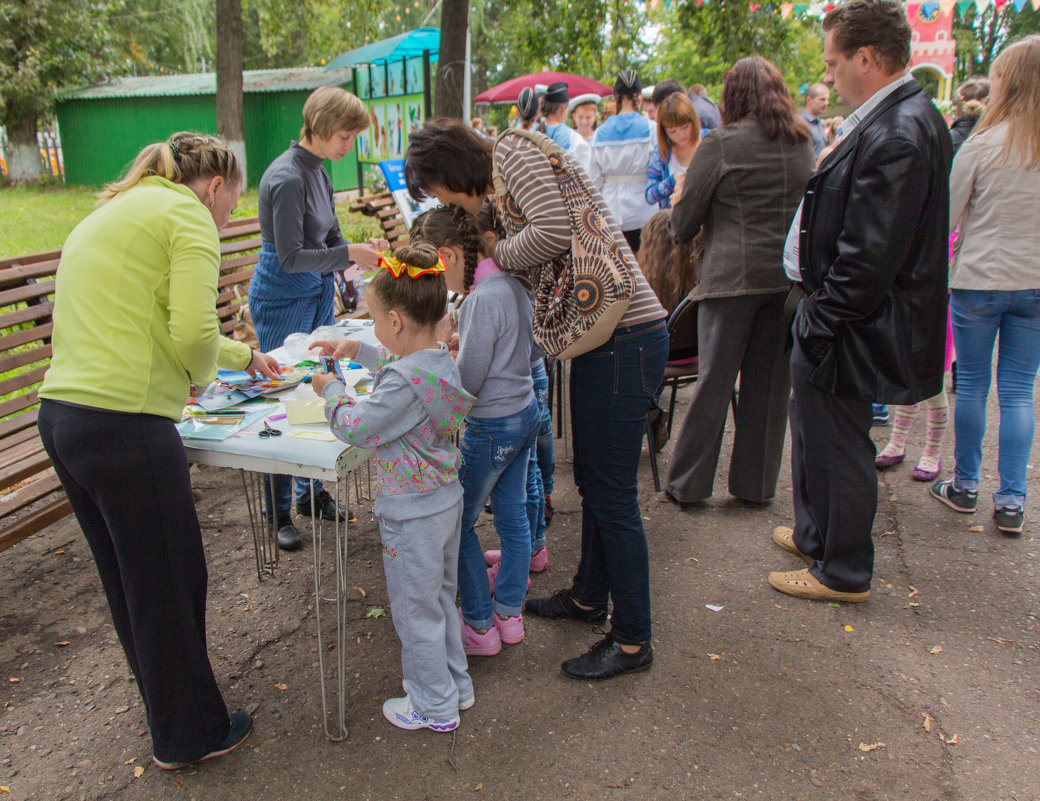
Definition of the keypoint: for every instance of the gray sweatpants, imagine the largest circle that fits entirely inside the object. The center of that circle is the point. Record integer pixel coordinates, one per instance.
(421, 561)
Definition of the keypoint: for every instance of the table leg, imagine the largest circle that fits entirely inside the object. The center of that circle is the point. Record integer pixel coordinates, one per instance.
(265, 533)
(332, 590)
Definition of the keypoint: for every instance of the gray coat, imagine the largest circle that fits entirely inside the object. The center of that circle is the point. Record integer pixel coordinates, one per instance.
(744, 189)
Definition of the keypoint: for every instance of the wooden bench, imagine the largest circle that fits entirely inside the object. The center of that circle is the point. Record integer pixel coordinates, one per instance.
(384, 208)
(31, 497)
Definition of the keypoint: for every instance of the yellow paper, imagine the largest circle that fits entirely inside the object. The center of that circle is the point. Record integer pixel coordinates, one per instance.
(320, 436)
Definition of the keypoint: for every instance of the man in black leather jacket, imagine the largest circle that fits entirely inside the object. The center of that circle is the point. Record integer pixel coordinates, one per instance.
(873, 239)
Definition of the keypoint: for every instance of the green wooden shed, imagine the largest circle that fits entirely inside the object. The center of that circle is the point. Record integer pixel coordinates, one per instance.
(104, 127)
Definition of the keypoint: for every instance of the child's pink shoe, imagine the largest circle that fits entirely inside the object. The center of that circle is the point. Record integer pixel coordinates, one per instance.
(493, 574)
(476, 644)
(539, 559)
(510, 629)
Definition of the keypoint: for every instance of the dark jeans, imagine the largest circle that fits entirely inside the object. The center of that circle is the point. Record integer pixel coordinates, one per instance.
(126, 477)
(833, 479)
(275, 319)
(612, 388)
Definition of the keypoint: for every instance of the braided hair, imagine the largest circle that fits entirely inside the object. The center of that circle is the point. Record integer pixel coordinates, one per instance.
(453, 226)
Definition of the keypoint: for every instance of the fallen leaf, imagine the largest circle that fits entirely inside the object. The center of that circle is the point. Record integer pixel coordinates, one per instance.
(363, 593)
(835, 604)
(4, 789)
(130, 761)
(849, 628)
(913, 590)
(928, 721)
(951, 740)
(782, 607)
(936, 650)
(871, 747)
(693, 559)
(121, 709)
(975, 529)
(139, 771)
(714, 657)
(1000, 640)
(714, 608)
(61, 644)
(282, 687)
(887, 533)
(911, 605)
(14, 679)
(375, 611)
(59, 552)
(478, 787)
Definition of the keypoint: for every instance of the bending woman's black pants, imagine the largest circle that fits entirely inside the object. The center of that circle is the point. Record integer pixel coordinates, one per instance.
(126, 477)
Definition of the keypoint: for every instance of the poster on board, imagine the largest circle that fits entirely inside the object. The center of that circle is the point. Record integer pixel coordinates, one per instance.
(410, 208)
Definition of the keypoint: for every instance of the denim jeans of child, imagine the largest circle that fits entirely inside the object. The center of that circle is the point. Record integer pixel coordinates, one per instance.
(495, 453)
(612, 388)
(542, 464)
(979, 317)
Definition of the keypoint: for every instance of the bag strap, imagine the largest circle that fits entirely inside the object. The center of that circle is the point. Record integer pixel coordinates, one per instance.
(545, 144)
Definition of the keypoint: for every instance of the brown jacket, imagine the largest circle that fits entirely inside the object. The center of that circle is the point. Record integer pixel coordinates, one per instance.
(744, 189)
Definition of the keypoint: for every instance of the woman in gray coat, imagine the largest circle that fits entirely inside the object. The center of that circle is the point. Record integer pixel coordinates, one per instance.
(743, 186)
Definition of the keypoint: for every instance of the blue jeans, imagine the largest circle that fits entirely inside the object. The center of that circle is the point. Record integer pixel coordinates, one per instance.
(542, 464)
(495, 452)
(612, 388)
(275, 319)
(978, 318)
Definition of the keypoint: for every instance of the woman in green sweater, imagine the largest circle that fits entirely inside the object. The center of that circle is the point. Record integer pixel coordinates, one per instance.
(135, 323)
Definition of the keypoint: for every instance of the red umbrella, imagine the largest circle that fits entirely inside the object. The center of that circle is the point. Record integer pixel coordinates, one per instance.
(509, 91)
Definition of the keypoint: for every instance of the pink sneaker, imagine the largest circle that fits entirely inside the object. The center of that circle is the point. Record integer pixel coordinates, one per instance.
(539, 559)
(510, 629)
(476, 644)
(493, 574)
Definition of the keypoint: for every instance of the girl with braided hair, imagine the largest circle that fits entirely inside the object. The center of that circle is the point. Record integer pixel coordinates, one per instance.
(495, 340)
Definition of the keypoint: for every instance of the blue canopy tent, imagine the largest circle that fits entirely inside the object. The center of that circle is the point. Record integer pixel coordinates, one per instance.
(404, 45)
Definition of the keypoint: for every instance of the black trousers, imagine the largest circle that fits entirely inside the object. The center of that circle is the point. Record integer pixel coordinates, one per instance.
(834, 481)
(126, 477)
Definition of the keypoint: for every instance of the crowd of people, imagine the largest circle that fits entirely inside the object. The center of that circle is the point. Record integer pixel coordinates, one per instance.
(823, 264)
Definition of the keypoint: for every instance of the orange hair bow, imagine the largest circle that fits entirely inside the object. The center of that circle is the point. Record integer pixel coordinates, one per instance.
(398, 268)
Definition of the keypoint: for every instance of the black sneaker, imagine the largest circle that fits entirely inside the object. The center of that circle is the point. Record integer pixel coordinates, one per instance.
(326, 506)
(288, 537)
(960, 500)
(606, 659)
(1010, 519)
(241, 725)
(561, 604)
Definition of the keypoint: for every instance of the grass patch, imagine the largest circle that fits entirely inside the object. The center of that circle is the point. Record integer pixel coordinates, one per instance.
(39, 218)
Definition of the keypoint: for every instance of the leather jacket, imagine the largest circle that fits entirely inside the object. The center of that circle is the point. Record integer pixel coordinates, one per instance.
(874, 243)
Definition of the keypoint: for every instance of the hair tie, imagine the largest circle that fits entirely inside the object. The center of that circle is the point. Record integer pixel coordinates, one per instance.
(174, 148)
(398, 268)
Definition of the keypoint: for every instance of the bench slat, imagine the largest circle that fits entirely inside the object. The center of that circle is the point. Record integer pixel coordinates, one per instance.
(11, 455)
(23, 469)
(37, 521)
(16, 425)
(23, 294)
(25, 336)
(26, 315)
(18, 437)
(16, 405)
(29, 494)
(21, 381)
(23, 358)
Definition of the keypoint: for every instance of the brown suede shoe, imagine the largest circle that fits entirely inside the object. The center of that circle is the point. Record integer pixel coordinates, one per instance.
(783, 536)
(803, 584)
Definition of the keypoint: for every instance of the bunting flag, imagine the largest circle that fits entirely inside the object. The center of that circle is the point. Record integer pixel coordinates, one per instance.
(926, 9)
(787, 8)
(964, 5)
(1020, 4)
(946, 6)
(1036, 5)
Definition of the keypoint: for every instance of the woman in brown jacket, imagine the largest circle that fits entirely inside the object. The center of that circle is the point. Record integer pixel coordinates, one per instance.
(743, 185)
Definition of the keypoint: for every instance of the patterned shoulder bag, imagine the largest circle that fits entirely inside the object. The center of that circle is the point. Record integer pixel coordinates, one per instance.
(581, 295)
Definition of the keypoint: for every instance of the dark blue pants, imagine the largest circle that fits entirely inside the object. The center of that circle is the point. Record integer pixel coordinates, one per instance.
(275, 319)
(126, 478)
(612, 388)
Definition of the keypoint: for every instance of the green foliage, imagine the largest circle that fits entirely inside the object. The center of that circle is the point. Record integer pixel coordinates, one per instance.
(46, 45)
(980, 36)
(700, 43)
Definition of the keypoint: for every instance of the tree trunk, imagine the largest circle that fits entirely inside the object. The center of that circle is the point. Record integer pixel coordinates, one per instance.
(229, 78)
(23, 150)
(451, 64)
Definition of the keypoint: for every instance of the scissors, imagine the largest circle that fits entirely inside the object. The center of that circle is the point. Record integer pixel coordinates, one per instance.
(269, 431)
